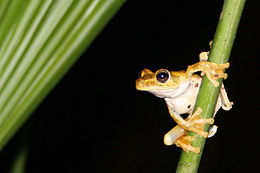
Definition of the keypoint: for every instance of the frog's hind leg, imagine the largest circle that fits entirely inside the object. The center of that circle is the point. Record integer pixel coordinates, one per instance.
(223, 102)
(212, 131)
(175, 133)
(226, 104)
(180, 137)
(193, 122)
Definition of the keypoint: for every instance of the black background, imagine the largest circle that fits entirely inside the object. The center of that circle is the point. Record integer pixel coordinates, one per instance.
(95, 121)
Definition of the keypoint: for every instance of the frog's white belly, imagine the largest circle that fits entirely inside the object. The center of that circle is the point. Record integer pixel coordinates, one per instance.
(184, 103)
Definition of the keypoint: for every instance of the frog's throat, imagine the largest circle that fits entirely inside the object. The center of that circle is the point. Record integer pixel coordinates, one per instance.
(170, 93)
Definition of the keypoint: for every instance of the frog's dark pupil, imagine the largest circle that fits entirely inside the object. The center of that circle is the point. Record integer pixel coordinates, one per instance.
(162, 77)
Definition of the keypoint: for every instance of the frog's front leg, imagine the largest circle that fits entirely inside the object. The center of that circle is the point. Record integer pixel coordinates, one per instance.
(192, 123)
(213, 71)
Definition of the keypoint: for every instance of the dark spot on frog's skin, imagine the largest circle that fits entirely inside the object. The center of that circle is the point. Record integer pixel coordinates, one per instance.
(215, 75)
(189, 106)
(196, 84)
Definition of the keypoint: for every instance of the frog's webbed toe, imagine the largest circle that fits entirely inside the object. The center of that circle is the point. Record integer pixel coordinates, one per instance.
(196, 124)
(215, 71)
(184, 143)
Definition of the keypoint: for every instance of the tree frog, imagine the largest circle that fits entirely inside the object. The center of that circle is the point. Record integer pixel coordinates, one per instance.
(179, 89)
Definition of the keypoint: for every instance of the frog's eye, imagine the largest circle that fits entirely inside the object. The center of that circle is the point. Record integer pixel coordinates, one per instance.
(162, 76)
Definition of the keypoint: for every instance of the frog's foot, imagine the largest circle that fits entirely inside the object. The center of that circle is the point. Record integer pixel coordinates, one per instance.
(184, 143)
(215, 71)
(196, 124)
(212, 70)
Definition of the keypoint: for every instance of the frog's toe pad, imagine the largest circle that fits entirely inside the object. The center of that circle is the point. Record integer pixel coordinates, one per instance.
(215, 71)
(196, 124)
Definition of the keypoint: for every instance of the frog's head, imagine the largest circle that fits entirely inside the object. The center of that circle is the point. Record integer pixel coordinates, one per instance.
(162, 83)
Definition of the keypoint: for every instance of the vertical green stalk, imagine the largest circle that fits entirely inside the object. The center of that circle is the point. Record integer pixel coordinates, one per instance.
(207, 97)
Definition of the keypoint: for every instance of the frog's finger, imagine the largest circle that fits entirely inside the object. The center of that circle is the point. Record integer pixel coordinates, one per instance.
(185, 145)
(203, 121)
(199, 131)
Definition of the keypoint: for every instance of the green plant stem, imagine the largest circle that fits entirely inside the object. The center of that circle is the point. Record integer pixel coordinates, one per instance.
(207, 97)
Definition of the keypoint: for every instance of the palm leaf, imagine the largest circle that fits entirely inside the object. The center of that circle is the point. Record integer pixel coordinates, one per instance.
(39, 41)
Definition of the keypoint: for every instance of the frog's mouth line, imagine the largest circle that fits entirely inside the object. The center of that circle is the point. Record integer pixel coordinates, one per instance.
(162, 93)
(165, 92)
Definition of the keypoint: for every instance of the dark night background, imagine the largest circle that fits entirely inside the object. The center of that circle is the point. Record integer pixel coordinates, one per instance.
(95, 120)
